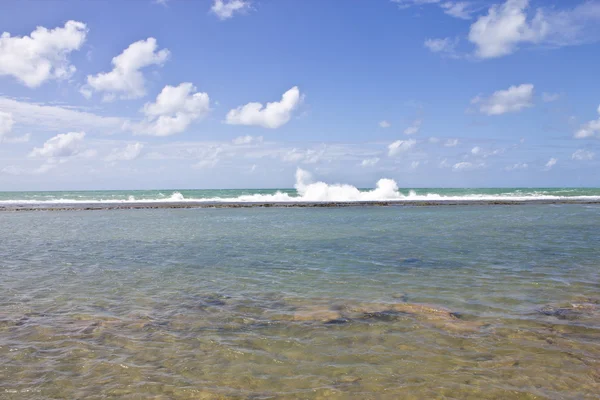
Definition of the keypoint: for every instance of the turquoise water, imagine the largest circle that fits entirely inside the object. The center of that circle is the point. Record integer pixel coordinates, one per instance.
(167, 195)
(477, 302)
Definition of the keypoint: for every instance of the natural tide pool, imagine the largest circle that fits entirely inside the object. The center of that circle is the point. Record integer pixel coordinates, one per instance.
(464, 302)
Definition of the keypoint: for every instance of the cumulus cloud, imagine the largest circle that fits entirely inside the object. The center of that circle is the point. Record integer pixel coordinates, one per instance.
(175, 108)
(61, 146)
(514, 99)
(475, 150)
(451, 143)
(508, 25)
(225, 9)
(583, 155)
(590, 129)
(126, 79)
(369, 162)
(247, 140)
(384, 124)
(400, 146)
(42, 55)
(130, 152)
(414, 127)
(551, 163)
(273, 115)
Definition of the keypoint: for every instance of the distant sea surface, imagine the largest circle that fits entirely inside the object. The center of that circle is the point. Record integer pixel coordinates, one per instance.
(312, 192)
(476, 302)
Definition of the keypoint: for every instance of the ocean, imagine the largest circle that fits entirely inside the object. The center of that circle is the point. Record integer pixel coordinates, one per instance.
(357, 302)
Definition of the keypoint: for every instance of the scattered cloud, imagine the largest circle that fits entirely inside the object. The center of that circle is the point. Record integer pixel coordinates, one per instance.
(61, 146)
(43, 55)
(433, 140)
(400, 146)
(466, 166)
(175, 108)
(247, 140)
(507, 26)
(384, 124)
(273, 115)
(451, 143)
(225, 9)
(445, 46)
(414, 127)
(6, 124)
(130, 152)
(57, 118)
(476, 150)
(126, 79)
(458, 9)
(583, 155)
(590, 129)
(550, 97)
(516, 167)
(514, 99)
(415, 164)
(369, 162)
(308, 156)
(551, 163)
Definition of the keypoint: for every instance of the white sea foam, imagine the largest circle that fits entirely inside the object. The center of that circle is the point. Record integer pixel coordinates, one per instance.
(307, 190)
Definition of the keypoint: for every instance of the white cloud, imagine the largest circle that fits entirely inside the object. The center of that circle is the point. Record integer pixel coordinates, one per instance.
(130, 152)
(57, 118)
(247, 140)
(414, 164)
(61, 146)
(16, 170)
(550, 97)
(369, 162)
(517, 166)
(6, 124)
(433, 140)
(414, 128)
(273, 115)
(308, 156)
(590, 129)
(551, 163)
(583, 155)
(41, 56)
(446, 46)
(400, 146)
(514, 99)
(126, 79)
(458, 9)
(475, 150)
(466, 166)
(175, 108)
(508, 25)
(384, 124)
(451, 143)
(224, 9)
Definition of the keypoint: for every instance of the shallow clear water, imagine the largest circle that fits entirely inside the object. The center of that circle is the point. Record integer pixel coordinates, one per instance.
(475, 302)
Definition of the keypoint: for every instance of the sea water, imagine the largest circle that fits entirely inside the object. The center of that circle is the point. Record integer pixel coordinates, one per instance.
(464, 302)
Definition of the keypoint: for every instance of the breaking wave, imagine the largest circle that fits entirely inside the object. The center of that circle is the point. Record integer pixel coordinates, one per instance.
(308, 190)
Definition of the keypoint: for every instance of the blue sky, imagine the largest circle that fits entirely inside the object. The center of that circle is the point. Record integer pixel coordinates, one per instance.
(426, 92)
